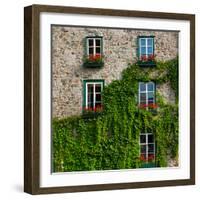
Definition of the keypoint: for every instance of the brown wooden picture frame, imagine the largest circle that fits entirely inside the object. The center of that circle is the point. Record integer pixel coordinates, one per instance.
(32, 93)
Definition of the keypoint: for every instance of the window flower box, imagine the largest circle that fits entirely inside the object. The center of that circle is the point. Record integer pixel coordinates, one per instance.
(93, 61)
(152, 107)
(91, 113)
(147, 162)
(147, 61)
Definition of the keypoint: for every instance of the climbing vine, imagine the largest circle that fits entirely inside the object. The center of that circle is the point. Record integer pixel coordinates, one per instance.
(110, 140)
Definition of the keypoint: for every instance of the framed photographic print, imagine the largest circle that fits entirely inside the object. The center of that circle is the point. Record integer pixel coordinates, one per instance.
(109, 99)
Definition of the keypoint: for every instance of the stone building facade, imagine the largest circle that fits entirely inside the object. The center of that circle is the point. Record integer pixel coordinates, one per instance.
(119, 47)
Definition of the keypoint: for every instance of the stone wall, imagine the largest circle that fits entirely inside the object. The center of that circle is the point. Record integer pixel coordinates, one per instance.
(119, 49)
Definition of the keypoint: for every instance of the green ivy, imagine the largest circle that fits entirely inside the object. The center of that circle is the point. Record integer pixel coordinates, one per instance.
(111, 140)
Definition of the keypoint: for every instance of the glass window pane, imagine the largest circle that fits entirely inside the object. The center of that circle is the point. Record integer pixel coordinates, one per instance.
(98, 97)
(150, 50)
(150, 42)
(90, 106)
(142, 87)
(143, 98)
(91, 42)
(151, 148)
(150, 87)
(142, 138)
(98, 88)
(143, 42)
(98, 43)
(150, 139)
(98, 51)
(143, 51)
(90, 88)
(91, 51)
(143, 148)
(98, 106)
(150, 97)
(90, 98)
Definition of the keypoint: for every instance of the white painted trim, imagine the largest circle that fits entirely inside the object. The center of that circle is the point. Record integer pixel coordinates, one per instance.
(94, 44)
(94, 92)
(146, 144)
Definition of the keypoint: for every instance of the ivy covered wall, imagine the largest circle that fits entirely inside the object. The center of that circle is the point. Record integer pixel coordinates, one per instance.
(110, 139)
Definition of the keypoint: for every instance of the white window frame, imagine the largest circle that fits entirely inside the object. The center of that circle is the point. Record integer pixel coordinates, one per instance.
(94, 45)
(147, 147)
(146, 45)
(146, 92)
(94, 92)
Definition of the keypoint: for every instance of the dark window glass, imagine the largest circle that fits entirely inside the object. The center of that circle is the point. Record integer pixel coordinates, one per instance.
(98, 42)
(91, 42)
(150, 139)
(142, 138)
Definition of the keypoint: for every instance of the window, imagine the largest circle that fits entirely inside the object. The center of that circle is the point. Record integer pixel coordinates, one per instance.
(147, 147)
(94, 53)
(146, 47)
(94, 46)
(146, 95)
(93, 94)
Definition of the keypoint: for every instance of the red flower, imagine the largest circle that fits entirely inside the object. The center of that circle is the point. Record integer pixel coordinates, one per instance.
(142, 158)
(151, 57)
(150, 158)
(151, 105)
(98, 108)
(145, 58)
(94, 57)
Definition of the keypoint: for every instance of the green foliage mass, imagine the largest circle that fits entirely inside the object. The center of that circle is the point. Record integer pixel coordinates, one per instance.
(111, 140)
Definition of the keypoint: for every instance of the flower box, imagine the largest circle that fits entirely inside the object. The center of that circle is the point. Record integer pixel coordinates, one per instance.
(147, 61)
(91, 113)
(148, 165)
(93, 61)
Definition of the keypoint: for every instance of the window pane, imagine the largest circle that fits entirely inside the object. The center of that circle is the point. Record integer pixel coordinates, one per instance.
(98, 106)
(142, 138)
(90, 106)
(143, 50)
(91, 51)
(91, 42)
(150, 50)
(98, 88)
(143, 42)
(143, 98)
(143, 148)
(150, 87)
(150, 97)
(151, 148)
(98, 43)
(98, 51)
(150, 42)
(98, 97)
(142, 87)
(90, 98)
(150, 139)
(90, 88)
